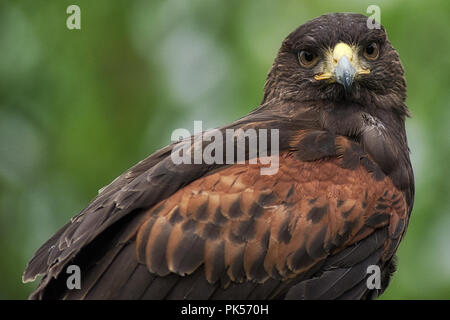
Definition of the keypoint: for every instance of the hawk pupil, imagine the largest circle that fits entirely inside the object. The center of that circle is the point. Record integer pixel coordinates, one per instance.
(370, 48)
(307, 59)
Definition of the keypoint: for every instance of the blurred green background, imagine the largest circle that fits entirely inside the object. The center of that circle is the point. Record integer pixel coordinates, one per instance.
(78, 107)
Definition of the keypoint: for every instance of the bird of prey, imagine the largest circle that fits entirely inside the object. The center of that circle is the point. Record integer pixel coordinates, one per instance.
(337, 207)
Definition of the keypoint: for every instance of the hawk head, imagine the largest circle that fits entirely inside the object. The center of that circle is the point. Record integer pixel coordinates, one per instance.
(337, 57)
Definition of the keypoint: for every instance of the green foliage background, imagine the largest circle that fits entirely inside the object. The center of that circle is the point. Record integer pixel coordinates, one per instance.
(77, 108)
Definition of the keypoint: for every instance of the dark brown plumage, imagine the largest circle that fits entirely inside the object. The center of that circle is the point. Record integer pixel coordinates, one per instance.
(340, 201)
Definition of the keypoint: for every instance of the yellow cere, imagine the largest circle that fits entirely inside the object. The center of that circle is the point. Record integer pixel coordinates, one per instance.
(332, 58)
(340, 50)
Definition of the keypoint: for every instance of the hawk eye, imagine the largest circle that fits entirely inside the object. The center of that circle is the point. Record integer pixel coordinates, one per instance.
(307, 59)
(372, 51)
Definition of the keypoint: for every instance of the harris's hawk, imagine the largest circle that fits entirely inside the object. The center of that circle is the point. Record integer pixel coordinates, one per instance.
(339, 203)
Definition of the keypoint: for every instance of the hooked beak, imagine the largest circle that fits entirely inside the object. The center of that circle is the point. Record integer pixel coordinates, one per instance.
(342, 66)
(344, 73)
